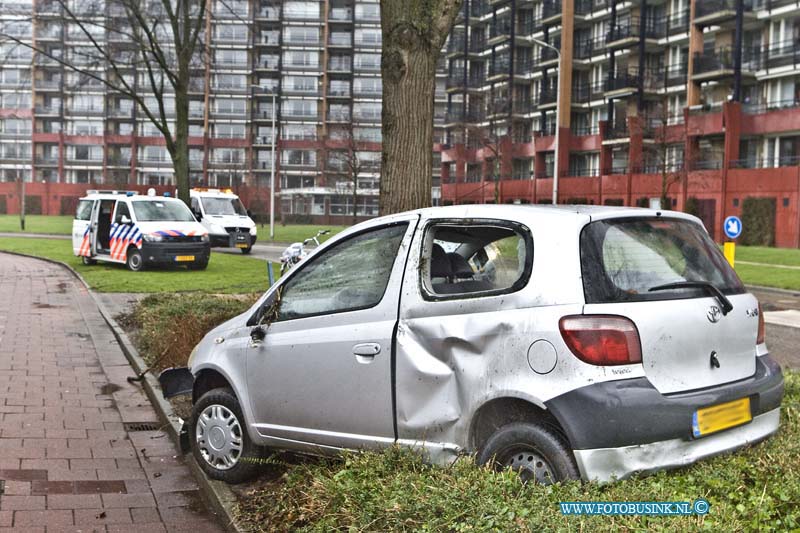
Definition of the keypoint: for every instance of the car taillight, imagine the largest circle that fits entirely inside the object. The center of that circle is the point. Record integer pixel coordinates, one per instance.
(762, 328)
(604, 340)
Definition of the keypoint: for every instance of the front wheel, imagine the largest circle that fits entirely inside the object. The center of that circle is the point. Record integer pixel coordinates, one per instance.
(219, 439)
(247, 250)
(88, 261)
(135, 260)
(199, 265)
(536, 452)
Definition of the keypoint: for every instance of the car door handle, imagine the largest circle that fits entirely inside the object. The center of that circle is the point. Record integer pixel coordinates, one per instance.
(368, 349)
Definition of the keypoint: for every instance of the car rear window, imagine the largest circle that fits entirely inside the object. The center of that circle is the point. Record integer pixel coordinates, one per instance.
(622, 259)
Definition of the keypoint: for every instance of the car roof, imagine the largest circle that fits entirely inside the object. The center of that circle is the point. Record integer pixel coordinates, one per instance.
(539, 211)
(112, 196)
(214, 192)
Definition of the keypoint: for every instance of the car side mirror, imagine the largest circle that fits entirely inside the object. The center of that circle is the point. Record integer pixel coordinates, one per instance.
(198, 215)
(257, 334)
(124, 220)
(249, 213)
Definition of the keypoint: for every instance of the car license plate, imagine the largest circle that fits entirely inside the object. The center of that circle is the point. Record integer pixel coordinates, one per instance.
(184, 258)
(722, 416)
(241, 245)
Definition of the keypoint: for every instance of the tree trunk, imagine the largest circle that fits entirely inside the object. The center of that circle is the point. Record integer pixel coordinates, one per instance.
(414, 32)
(180, 157)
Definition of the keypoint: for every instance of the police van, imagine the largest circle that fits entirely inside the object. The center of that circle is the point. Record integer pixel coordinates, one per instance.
(138, 230)
(228, 222)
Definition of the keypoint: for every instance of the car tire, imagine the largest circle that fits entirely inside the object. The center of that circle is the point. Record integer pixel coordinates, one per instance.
(247, 250)
(134, 259)
(539, 453)
(199, 265)
(219, 439)
(88, 261)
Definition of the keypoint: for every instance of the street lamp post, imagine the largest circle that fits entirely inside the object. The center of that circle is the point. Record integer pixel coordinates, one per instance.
(271, 168)
(558, 115)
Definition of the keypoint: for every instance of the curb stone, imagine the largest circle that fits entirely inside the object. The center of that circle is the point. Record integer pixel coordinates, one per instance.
(217, 495)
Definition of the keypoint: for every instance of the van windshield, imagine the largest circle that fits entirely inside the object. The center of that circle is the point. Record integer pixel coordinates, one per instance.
(623, 259)
(153, 210)
(223, 206)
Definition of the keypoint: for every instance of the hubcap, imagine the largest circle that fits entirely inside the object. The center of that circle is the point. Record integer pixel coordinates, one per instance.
(531, 466)
(219, 437)
(136, 260)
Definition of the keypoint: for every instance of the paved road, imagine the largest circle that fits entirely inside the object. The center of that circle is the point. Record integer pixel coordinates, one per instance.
(69, 460)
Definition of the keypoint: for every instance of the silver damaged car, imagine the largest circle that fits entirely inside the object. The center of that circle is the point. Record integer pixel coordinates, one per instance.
(562, 342)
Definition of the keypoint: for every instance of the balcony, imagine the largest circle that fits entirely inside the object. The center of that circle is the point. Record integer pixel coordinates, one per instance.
(627, 34)
(548, 56)
(268, 13)
(678, 22)
(118, 161)
(711, 163)
(340, 14)
(479, 8)
(456, 44)
(499, 30)
(782, 54)
(710, 12)
(499, 68)
(551, 10)
(547, 96)
(15, 134)
(720, 63)
(753, 162)
(583, 49)
(456, 79)
(46, 160)
(40, 110)
(617, 129)
(529, 26)
(338, 116)
(477, 45)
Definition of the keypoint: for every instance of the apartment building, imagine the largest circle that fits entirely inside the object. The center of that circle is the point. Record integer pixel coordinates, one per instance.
(696, 98)
(317, 61)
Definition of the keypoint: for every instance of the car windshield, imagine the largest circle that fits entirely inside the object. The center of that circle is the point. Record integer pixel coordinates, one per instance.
(223, 206)
(152, 210)
(623, 259)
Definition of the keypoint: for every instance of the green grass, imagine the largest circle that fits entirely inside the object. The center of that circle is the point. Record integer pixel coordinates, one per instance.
(782, 278)
(62, 225)
(56, 224)
(772, 256)
(226, 273)
(755, 489)
(296, 232)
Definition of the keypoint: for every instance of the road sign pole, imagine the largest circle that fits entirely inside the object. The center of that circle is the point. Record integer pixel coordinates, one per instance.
(729, 249)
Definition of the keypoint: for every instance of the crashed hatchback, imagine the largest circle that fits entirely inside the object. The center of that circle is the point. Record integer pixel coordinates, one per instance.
(562, 342)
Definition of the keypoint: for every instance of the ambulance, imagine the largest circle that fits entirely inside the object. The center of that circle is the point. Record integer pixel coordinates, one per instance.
(138, 231)
(227, 221)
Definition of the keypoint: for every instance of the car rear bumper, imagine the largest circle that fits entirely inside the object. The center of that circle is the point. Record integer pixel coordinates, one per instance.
(627, 418)
(166, 252)
(607, 464)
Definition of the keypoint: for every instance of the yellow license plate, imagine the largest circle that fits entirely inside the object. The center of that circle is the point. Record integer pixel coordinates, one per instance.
(184, 258)
(241, 245)
(722, 416)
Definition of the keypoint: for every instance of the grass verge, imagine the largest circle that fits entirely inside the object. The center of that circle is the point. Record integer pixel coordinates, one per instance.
(53, 224)
(755, 489)
(226, 273)
(62, 225)
(782, 278)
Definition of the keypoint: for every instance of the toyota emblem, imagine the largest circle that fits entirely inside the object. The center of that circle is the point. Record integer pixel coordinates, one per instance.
(714, 314)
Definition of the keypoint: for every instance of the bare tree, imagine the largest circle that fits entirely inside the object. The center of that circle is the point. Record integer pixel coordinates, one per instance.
(414, 32)
(348, 161)
(491, 142)
(658, 154)
(163, 40)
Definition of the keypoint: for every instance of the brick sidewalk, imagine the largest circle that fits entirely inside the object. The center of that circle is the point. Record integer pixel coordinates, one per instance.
(77, 448)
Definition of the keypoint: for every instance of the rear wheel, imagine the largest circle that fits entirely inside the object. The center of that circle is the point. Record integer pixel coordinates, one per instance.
(135, 260)
(219, 439)
(87, 260)
(538, 453)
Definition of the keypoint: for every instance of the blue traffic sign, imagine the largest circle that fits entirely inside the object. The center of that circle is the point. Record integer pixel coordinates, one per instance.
(733, 227)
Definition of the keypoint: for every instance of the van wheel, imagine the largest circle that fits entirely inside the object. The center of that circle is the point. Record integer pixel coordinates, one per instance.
(247, 250)
(87, 260)
(536, 452)
(135, 260)
(198, 265)
(219, 439)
